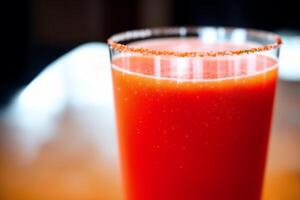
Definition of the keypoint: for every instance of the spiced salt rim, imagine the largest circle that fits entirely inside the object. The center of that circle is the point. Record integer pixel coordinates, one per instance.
(115, 41)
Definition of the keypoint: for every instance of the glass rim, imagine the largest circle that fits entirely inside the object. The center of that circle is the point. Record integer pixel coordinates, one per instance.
(115, 40)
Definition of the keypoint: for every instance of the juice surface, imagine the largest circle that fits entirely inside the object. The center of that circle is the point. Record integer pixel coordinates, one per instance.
(193, 128)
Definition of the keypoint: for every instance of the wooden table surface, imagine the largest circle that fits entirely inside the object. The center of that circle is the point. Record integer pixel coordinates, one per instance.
(57, 137)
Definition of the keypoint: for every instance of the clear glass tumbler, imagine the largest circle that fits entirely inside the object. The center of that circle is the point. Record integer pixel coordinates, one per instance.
(193, 111)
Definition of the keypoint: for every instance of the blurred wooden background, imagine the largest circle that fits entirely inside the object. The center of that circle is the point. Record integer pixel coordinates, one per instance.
(56, 139)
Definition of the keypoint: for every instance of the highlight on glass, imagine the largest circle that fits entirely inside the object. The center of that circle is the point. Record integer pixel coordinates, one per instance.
(193, 111)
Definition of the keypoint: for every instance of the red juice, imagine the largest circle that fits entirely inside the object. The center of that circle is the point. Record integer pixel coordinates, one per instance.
(188, 132)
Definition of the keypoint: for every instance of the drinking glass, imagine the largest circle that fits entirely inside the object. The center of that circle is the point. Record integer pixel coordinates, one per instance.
(193, 111)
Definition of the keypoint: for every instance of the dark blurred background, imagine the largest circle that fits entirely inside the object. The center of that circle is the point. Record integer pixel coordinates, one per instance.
(36, 32)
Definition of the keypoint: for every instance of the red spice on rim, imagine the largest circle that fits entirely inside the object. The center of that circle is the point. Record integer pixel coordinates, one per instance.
(115, 44)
